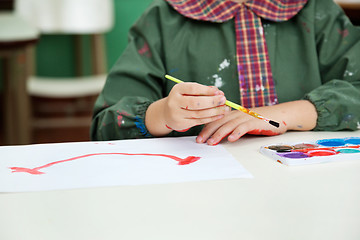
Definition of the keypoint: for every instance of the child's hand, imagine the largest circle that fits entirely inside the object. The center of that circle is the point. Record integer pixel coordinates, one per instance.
(297, 115)
(188, 105)
(234, 125)
(191, 104)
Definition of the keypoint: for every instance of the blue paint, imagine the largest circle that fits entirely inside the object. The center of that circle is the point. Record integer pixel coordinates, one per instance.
(334, 142)
(353, 140)
(141, 126)
(173, 70)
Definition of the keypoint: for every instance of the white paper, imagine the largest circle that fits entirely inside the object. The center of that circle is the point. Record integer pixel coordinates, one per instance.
(95, 164)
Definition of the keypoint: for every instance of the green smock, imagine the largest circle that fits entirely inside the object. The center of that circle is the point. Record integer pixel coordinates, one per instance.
(314, 55)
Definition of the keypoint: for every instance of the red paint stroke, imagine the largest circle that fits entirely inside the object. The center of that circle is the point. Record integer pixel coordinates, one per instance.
(263, 132)
(184, 130)
(120, 117)
(216, 143)
(35, 171)
(145, 50)
(110, 143)
(284, 123)
(344, 33)
(307, 29)
(119, 120)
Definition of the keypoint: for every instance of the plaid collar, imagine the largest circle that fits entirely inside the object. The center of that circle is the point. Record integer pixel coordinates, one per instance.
(254, 70)
(224, 10)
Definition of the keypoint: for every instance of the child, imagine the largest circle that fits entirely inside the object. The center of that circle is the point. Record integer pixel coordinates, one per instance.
(296, 62)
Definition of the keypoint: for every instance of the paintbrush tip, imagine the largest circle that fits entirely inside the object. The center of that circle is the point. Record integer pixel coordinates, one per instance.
(275, 124)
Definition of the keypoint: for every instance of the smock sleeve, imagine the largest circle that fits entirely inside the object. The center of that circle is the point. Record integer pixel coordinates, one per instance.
(337, 100)
(134, 82)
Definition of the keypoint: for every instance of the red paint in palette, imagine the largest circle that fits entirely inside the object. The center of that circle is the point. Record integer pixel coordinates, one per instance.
(325, 148)
(321, 153)
(35, 171)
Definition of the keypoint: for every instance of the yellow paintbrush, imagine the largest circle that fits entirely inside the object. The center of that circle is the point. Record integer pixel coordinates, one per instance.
(235, 106)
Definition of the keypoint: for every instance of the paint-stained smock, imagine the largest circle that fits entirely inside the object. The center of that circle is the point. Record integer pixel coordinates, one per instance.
(314, 55)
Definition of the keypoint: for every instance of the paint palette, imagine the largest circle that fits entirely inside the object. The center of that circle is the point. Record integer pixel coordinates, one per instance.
(320, 151)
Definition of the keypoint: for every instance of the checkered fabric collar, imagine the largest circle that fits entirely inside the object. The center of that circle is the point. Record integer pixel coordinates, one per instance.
(224, 10)
(256, 83)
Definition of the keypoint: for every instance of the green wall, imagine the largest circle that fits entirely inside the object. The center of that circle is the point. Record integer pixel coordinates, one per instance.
(54, 53)
(127, 12)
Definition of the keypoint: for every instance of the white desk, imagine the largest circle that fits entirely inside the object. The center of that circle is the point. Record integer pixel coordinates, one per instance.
(316, 202)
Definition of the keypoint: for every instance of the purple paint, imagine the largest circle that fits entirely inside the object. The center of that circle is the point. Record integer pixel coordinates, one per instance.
(294, 155)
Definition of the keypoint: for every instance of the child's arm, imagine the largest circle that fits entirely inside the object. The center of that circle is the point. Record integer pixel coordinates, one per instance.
(295, 115)
(188, 105)
(337, 100)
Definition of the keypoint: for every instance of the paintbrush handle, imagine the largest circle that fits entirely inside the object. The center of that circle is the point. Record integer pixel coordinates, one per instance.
(173, 79)
(245, 110)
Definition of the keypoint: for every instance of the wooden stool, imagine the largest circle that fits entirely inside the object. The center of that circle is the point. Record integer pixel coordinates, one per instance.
(76, 18)
(16, 40)
(352, 10)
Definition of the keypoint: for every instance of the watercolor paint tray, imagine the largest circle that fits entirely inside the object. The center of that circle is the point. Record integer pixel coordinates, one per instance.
(320, 151)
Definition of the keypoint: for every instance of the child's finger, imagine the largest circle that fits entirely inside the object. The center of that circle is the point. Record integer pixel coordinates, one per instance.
(196, 89)
(202, 102)
(215, 136)
(191, 122)
(219, 129)
(201, 121)
(206, 113)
